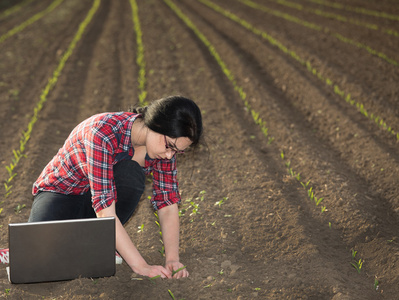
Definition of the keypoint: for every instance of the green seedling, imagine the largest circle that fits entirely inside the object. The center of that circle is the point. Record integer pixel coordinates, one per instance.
(305, 185)
(310, 193)
(209, 285)
(318, 200)
(219, 203)
(182, 212)
(376, 284)
(354, 253)
(171, 294)
(201, 196)
(8, 190)
(162, 251)
(152, 279)
(194, 206)
(178, 270)
(358, 265)
(141, 228)
(19, 208)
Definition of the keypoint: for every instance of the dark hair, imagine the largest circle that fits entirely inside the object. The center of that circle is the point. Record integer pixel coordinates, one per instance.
(173, 116)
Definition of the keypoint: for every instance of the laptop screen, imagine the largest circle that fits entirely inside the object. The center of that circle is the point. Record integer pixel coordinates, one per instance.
(61, 250)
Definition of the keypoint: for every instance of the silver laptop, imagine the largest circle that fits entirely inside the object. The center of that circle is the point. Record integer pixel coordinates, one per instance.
(61, 250)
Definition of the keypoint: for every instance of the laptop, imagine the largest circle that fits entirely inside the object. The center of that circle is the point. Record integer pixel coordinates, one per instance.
(61, 250)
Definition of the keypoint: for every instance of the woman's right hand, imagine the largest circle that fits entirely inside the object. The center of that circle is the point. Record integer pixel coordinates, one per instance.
(152, 271)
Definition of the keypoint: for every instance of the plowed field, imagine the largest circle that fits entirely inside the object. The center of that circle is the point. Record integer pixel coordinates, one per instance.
(295, 194)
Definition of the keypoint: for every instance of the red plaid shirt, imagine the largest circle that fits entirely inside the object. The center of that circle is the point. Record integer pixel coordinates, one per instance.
(85, 162)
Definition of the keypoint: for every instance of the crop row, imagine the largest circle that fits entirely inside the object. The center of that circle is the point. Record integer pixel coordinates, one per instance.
(14, 9)
(230, 76)
(25, 135)
(359, 10)
(30, 21)
(315, 199)
(326, 30)
(336, 17)
(345, 95)
(140, 53)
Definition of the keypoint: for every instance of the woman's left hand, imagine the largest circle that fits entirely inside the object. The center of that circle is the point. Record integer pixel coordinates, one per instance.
(174, 266)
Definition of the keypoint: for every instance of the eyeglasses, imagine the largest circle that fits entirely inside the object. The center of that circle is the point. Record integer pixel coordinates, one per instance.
(172, 148)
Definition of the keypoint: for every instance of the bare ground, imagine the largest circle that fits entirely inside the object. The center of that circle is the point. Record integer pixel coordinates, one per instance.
(267, 240)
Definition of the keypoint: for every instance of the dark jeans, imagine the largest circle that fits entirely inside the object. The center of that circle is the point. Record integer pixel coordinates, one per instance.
(129, 181)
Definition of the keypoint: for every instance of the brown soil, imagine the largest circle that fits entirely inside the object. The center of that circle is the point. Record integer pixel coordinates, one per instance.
(267, 240)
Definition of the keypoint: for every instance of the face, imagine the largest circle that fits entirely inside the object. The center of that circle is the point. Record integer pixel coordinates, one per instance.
(160, 146)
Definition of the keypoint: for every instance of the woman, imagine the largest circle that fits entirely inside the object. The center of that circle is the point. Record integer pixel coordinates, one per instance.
(100, 172)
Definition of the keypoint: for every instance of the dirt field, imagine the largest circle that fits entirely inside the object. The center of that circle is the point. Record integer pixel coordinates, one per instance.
(297, 185)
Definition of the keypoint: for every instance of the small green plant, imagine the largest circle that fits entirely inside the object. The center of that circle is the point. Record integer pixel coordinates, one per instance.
(193, 205)
(171, 294)
(317, 201)
(162, 250)
(305, 185)
(220, 202)
(376, 283)
(152, 279)
(178, 270)
(19, 208)
(357, 264)
(141, 228)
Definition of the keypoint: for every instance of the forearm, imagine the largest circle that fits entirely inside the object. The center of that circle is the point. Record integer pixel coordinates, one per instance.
(124, 245)
(169, 221)
(127, 249)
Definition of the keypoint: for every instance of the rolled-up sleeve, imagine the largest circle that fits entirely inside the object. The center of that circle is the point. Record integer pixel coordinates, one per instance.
(165, 186)
(99, 151)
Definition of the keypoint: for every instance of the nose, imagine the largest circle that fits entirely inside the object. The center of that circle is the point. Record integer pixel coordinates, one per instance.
(169, 153)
